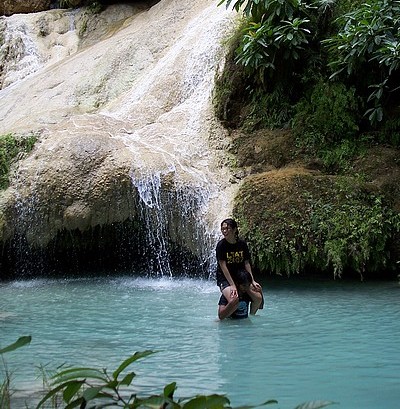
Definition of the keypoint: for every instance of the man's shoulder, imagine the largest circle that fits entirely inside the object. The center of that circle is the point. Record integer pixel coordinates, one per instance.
(221, 242)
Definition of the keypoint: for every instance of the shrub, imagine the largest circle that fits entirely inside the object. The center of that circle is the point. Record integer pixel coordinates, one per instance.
(330, 227)
(330, 114)
(366, 49)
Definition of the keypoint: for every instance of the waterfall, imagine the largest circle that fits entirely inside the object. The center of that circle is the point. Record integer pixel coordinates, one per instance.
(171, 129)
(147, 85)
(17, 46)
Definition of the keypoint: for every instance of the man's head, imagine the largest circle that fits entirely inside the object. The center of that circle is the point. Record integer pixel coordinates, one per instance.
(243, 280)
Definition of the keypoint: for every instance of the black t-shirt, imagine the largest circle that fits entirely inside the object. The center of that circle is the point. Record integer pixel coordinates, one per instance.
(242, 311)
(234, 254)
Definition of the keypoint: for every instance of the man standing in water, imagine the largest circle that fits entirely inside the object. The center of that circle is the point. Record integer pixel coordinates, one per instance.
(238, 307)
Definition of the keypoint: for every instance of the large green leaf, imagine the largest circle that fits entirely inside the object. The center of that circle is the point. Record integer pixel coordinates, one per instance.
(92, 393)
(169, 390)
(71, 389)
(79, 373)
(131, 359)
(20, 342)
(128, 379)
(152, 402)
(51, 393)
(207, 402)
(268, 402)
(316, 404)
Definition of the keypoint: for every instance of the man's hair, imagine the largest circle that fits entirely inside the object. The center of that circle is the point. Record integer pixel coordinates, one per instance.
(243, 277)
(230, 222)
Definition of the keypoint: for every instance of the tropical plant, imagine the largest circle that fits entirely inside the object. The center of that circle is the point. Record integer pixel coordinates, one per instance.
(367, 50)
(263, 44)
(275, 35)
(260, 10)
(81, 387)
(94, 388)
(5, 384)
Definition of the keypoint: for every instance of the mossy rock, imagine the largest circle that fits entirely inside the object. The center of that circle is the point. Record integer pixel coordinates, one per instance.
(299, 221)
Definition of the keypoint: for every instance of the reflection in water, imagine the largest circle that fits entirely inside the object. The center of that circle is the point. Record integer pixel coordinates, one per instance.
(327, 341)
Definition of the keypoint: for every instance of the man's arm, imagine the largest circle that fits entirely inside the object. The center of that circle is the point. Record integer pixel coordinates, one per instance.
(225, 311)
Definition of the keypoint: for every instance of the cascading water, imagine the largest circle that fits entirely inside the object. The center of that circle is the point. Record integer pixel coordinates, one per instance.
(145, 85)
(17, 43)
(22, 54)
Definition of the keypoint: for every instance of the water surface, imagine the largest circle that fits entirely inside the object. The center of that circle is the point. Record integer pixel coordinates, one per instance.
(313, 341)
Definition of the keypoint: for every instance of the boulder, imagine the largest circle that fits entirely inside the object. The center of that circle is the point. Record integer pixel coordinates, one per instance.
(71, 181)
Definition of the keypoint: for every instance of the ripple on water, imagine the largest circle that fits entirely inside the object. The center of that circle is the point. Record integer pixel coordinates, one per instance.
(312, 341)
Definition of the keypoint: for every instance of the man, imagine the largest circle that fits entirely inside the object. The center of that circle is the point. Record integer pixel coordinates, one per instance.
(238, 307)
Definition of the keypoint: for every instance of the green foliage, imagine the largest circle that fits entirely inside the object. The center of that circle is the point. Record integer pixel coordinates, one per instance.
(5, 384)
(338, 158)
(329, 114)
(20, 342)
(368, 42)
(10, 148)
(95, 388)
(350, 232)
(260, 10)
(263, 44)
(290, 43)
(82, 386)
(276, 34)
(5, 397)
(268, 110)
(390, 132)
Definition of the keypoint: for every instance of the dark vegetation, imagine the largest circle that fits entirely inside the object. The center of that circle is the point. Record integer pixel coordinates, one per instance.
(311, 96)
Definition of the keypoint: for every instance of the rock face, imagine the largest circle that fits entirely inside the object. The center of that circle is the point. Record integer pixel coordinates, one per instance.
(72, 181)
(9, 7)
(125, 122)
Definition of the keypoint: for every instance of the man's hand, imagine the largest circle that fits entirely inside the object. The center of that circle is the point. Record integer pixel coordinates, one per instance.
(233, 303)
(234, 293)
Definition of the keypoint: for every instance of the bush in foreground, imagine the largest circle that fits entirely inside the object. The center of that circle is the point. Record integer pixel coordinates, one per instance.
(94, 388)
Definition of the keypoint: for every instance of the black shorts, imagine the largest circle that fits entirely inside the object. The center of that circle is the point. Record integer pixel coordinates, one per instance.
(223, 284)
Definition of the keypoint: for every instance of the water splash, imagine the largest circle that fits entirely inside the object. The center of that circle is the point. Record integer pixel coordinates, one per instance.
(172, 218)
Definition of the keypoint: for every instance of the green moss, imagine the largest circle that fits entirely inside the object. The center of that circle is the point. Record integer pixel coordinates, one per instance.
(303, 223)
(11, 147)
